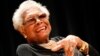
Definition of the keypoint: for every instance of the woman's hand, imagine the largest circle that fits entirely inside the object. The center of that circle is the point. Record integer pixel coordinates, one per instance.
(69, 44)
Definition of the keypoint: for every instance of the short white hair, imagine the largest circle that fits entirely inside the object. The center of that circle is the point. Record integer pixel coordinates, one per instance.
(17, 16)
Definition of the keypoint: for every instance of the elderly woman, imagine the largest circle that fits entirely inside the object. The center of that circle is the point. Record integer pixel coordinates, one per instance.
(31, 19)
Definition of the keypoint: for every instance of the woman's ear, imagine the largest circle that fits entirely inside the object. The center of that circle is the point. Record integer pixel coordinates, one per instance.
(22, 31)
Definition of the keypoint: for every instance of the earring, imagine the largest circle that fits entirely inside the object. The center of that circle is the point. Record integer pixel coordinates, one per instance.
(25, 36)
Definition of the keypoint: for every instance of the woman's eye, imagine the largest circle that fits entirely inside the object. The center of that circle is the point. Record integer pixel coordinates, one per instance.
(31, 20)
(42, 16)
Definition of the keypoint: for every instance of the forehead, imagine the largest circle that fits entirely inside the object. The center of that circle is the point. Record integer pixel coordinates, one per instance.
(32, 11)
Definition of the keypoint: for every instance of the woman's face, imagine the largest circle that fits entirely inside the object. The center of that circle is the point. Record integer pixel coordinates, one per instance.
(36, 25)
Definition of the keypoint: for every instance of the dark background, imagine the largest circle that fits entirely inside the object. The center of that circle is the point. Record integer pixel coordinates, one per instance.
(78, 17)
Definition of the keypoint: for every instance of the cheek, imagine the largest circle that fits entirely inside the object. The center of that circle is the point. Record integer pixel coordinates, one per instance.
(46, 21)
(29, 31)
(48, 24)
(49, 27)
(31, 35)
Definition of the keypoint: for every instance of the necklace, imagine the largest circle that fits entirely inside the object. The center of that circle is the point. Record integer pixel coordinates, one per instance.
(51, 44)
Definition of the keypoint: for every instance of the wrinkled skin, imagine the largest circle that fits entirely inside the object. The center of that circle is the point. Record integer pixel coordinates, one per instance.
(36, 26)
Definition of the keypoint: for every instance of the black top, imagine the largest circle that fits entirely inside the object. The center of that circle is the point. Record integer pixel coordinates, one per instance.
(36, 50)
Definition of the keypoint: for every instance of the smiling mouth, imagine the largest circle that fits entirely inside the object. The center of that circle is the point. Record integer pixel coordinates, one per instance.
(41, 29)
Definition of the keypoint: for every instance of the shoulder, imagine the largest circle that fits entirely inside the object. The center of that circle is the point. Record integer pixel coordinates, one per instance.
(25, 50)
(23, 47)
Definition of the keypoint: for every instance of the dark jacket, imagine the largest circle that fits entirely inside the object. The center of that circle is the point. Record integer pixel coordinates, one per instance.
(35, 50)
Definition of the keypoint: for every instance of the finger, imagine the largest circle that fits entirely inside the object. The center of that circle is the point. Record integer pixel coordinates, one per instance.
(60, 42)
(56, 48)
(69, 48)
(59, 46)
(69, 51)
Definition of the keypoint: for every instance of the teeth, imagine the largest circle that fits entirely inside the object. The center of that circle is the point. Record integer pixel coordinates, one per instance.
(42, 28)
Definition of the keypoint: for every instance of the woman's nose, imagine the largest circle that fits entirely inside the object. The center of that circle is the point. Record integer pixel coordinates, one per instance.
(38, 21)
